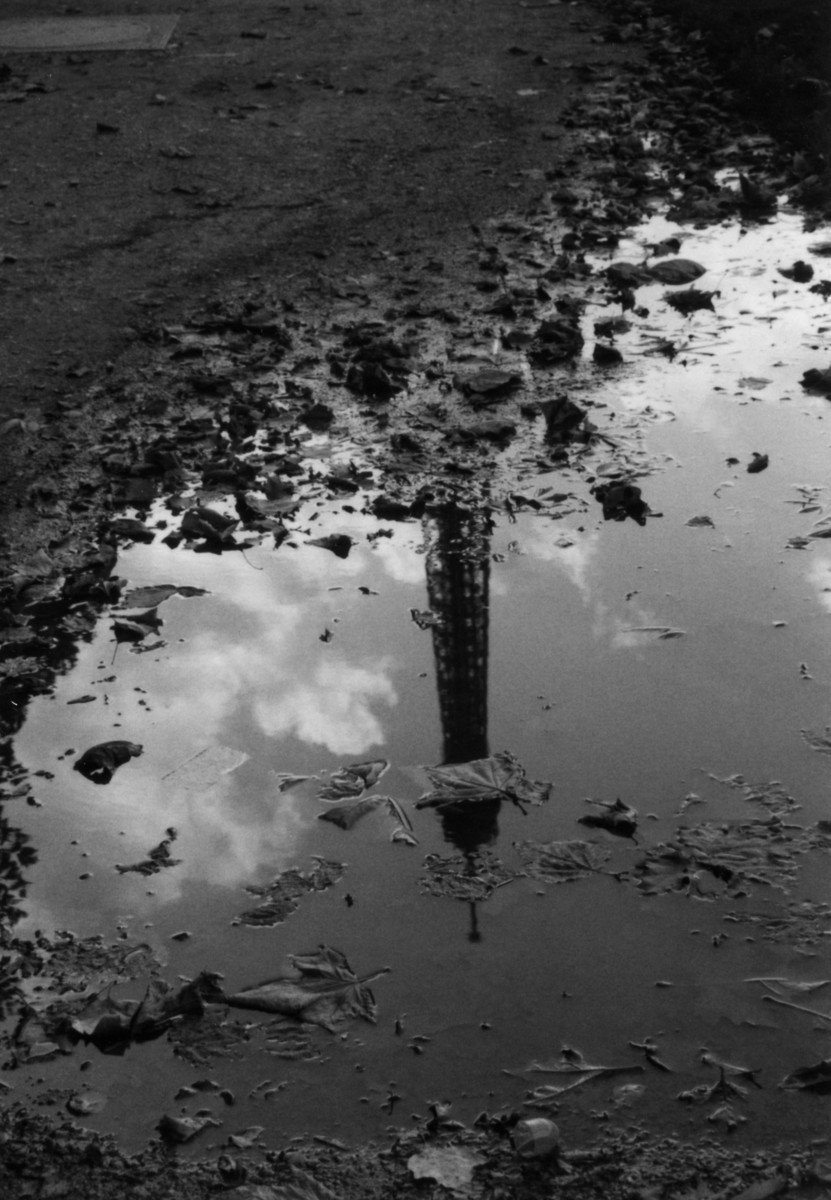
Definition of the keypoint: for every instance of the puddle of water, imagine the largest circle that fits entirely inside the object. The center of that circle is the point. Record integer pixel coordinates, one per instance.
(547, 644)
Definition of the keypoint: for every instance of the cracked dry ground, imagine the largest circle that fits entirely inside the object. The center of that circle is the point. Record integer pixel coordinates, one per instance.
(378, 225)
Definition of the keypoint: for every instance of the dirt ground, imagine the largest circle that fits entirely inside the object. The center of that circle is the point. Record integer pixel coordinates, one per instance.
(307, 152)
(285, 141)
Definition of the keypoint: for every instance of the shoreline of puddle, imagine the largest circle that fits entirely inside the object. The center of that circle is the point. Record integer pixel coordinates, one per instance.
(564, 633)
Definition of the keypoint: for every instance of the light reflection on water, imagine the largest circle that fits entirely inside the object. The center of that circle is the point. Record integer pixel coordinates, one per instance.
(546, 647)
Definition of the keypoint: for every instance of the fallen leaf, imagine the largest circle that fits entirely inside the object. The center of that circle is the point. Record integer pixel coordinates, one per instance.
(561, 862)
(100, 762)
(150, 597)
(339, 543)
(283, 895)
(816, 1078)
(323, 991)
(676, 271)
(498, 777)
(352, 780)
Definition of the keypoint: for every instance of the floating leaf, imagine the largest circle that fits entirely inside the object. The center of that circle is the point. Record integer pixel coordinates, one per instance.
(816, 1078)
(354, 779)
(347, 815)
(690, 301)
(701, 521)
(99, 763)
(339, 543)
(561, 862)
(157, 858)
(323, 991)
(467, 877)
(178, 1130)
(573, 1064)
(617, 818)
(283, 895)
(498, 777)
(816, 380)
(150, 597)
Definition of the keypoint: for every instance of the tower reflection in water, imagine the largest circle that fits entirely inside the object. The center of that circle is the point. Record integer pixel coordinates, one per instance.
(458, 579)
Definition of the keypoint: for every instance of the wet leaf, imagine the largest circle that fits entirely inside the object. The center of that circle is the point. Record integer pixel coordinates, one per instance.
(816, 380)
(617, 818)
(451, 1167)
(178, 1130)
(82, 1104)
(561, 862)
(578, 1071)
(352, 780)
(466, 877)
(346, 816)
(157, 859)
(323, 991)
(208, 524)
(283, 895)
(816, 1078)
(676, 271)
(339, 543)
(749, 1073)
(800, 272)
(624, 274)
(150, 597)
(759, 462)
(100, 762)
(690, 301)
(489, 381)
(498, 777)
(701, 521)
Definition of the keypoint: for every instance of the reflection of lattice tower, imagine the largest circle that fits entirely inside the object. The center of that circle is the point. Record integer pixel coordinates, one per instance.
(458, 576)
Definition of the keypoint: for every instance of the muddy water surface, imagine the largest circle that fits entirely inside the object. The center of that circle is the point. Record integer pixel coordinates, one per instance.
(648, 663)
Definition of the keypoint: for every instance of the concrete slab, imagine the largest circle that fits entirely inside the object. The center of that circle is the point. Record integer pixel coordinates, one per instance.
(32, 35)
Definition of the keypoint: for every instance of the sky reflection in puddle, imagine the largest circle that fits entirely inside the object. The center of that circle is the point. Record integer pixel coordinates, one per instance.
(548, 644)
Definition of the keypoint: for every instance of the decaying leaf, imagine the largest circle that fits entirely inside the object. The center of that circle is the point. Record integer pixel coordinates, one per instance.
(352, 780)
(498, 777)
(749, 1073)
(816, 1078)
(157, 859)
(347, 815)
(578, 1071)
(323, 991)
(690, 301)
(99, 763)
(816, 380)
(615, 817)
(283, 895)
(489, 381)
(468, 877)
(339, 543)
(561, 862)
(450, 1166)
(178, 1130)
(155, 594)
